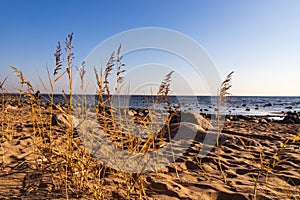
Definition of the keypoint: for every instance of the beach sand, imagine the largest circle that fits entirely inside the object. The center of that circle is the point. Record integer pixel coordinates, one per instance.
(252, 162)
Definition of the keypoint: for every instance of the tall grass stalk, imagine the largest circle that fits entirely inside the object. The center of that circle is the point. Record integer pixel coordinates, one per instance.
(222, 98)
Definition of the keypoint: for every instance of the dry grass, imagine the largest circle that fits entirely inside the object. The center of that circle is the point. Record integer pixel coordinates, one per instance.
(71, 167)
(60, 152)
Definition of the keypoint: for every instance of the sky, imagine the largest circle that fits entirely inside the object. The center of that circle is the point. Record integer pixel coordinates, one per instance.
(257, 39)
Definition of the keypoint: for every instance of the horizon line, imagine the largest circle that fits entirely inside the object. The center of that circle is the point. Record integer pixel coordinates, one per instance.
(183, 95)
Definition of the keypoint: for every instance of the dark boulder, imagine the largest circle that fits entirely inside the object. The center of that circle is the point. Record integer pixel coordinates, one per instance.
(291, 118)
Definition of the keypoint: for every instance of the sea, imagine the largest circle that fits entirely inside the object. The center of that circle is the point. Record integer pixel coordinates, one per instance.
(234, 105)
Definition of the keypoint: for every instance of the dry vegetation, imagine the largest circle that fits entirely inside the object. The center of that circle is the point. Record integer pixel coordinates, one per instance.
(57, 149)
(56, 164)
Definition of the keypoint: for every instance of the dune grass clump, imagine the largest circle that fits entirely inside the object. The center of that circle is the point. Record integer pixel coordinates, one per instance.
(58, 149)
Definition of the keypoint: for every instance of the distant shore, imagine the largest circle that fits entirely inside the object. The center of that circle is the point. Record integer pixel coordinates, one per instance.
(276, 106)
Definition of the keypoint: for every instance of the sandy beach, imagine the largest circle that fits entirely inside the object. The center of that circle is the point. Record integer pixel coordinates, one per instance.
(150, 100)
(256, 159)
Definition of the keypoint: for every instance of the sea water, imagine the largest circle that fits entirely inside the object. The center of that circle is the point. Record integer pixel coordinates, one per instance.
(236, 105)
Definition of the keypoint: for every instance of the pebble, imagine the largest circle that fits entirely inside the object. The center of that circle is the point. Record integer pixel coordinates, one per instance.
(263, 121)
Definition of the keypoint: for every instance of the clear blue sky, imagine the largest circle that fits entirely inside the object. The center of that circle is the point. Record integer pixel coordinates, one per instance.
(258, 39)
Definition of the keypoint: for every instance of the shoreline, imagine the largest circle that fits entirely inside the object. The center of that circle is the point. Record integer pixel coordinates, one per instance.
(273, 116)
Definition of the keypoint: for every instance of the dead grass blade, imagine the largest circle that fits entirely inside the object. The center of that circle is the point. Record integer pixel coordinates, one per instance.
(99, 80)
(261, 161)
(60, 76)
(50, 80)
(2, 83)
(119, 65)
(225, 86)
(57, 55)
(70, 55)
(44, 86)
(81, 72)
(108, 69)
(164, 88)
(23, 80)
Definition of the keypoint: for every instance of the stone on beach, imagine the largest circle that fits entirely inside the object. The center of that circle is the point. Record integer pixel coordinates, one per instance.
(62, 120)
(191, 117)
(185, 130)
(291, 118)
